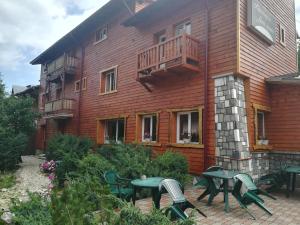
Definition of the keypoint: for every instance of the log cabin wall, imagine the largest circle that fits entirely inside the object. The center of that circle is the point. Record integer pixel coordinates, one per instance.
(259, 60)
(233, 49)
(284, 119)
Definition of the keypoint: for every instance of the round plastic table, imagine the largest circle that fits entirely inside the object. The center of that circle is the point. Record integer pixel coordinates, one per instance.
(153, 184)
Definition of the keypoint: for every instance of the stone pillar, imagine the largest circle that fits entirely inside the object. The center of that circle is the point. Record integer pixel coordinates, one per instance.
(232, 141)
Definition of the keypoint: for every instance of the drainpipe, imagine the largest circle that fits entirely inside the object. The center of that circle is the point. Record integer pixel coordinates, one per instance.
(80, 86)
(205, 114)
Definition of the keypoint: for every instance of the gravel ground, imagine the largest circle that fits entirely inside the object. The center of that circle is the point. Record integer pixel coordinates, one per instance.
(28, 178)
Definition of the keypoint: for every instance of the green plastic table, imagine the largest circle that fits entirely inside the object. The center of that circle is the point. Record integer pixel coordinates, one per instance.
(292, 171)
(225, 175)
(153, 184)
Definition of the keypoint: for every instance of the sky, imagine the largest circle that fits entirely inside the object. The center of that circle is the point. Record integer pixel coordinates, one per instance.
(28, 27)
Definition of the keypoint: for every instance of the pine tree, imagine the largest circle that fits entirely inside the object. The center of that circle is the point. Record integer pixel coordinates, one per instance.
(2, 87)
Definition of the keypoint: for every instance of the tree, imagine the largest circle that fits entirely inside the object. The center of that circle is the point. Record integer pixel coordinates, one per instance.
(2, 88)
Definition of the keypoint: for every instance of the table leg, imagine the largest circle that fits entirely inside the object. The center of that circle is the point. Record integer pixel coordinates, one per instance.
(294, 182)
(226, 195)
(156, 196)
(288, 185)
(134, 195)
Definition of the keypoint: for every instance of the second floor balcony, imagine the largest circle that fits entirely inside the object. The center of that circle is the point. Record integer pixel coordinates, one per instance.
(59, 109)
(180, 54)
(65, 64)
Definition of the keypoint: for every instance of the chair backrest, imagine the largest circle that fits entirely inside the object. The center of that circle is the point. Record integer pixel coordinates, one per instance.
(111, 177)
(214, 168)
(244, 183)
(173, 188)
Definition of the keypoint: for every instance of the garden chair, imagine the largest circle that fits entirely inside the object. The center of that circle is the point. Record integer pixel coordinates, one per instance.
(213, 185)
(120, 187)
(246, 193)
(180, 203)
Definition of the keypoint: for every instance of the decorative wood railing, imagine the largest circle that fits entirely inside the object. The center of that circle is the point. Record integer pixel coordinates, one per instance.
(183, 47)
(61, 105)
(64, 63)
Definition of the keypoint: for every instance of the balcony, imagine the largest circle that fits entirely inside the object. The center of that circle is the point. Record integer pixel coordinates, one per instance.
(59, 109)
(178, 55)
(65, 64)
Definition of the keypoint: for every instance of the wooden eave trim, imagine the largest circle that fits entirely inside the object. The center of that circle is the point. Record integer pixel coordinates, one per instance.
(261, 107)
(186, 109)
(122, 116)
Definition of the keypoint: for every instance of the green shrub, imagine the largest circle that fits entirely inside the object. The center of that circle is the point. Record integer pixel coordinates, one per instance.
(7, 180)
(60, 144)
(131, 215)
(131, 161)
(36, 211)
(171, 165)
(68, 150)
(94, 165)
(11, 148)
(78, 200)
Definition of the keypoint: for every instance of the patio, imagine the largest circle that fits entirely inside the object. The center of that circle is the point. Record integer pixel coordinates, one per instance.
(285, 210)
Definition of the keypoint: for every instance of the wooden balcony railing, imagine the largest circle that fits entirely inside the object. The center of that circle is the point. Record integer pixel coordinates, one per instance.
(64, 63)
(176, 53)
(61, 107)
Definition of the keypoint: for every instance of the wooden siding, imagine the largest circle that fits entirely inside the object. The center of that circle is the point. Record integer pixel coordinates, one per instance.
(179, 90)
(283, 124)
(259, 60)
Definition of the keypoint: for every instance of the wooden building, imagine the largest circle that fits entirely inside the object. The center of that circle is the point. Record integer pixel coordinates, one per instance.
(187, 75)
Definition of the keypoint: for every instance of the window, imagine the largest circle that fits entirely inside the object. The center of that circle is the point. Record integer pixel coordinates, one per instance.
(282, 35)
(77, 86)
(101, 34)
(84, 83)
(261, 131)
(114, 131)
(261, 126)
(108, 81)
(184, 27)
(188, 127)
(149, 128)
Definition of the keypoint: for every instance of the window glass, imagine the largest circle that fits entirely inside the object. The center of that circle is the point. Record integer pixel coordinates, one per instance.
(147, 129)
(114, 131)
(261, 125)
(194, 127)
(183, 127)
(101, 34)
(154, 123)
(110, 81)
(185, 27)
(121, 129)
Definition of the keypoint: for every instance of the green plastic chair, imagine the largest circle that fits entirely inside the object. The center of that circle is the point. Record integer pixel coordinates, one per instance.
(180, 203)
(246, 193)
(213, 185)
(120, 187)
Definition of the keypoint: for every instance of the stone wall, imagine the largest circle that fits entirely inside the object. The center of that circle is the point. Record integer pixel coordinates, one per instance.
(232, 142)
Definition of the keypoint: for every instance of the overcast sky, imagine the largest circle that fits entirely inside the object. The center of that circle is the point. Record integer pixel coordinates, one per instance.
(28, 27)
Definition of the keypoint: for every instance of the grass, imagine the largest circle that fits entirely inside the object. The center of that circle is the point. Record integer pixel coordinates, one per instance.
(7, 180)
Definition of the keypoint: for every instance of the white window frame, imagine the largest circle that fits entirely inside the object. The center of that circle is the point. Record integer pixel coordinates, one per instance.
(263, 122)
(282, 36)
(101, 31)
(151, 128)
(77, 84)
(107, 73)
(107, 141)
(189, 127)
(184, 25)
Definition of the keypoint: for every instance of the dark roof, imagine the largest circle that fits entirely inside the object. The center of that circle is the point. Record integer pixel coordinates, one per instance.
(20, 90)
(78, 34)
(291, 78)
(145, 15)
